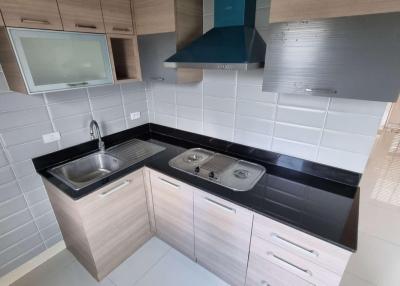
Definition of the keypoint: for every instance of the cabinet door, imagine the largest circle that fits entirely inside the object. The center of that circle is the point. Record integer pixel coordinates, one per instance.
(154, 16)
(329, 58)
(222, 234)
(116, 221)
(41, 14)
(173, 208)
(1, 21)
(117, 16)
(294, 10)
(81, 15)
(153, 51)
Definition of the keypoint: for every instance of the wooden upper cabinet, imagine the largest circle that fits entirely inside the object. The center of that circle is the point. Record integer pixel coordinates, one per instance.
(295, 10)
(117, 15)
(154, 16)
(40, 14)
(82, 15)
(1, 21)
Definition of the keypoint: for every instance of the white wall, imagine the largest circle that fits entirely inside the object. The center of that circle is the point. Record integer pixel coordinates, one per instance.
(230, 105)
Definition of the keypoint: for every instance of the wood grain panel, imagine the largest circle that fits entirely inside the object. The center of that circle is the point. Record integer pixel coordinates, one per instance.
(9, 64)
(173, 207)
(1, 20)
(154, 16)
(149, 198)
(296, 10)
(40, 14)
(261, 272)
(313, 273)
(82, 15)
(106, 227)
(117, 15)
(306, 246)
(222, 234)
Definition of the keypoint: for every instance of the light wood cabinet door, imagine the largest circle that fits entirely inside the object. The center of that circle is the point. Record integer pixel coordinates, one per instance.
(295, 10)
(173, 208)
(1, 21)
(40, 14)
(222, 235)
(81, 15)
(154, 16)
(116, 221)
(117, 15)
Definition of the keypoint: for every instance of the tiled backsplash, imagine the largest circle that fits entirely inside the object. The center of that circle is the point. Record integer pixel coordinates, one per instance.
(231, 105)
(27, 222)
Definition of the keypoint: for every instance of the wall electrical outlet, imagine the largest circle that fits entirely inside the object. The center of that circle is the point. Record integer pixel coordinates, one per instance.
(51, 137)
(135, 115)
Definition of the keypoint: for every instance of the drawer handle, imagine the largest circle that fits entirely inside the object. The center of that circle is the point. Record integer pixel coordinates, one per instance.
(322, 90)
(224, 207)
(78, 84)
(35, 21)
(169, 183)
(157, 78)
(289, 265)
(121, 29)
(86, 26)
(283, 241)
(117, 188)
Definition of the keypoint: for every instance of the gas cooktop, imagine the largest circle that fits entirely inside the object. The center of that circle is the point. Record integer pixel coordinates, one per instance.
(235, 174)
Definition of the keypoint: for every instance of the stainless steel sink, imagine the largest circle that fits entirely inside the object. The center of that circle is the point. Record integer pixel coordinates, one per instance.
(86, 170)
(82, 172)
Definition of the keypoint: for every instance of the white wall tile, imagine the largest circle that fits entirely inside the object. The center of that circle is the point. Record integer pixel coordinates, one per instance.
(342, 159)
(190, 125)
(252, 139)
(254, 124)
(223, 89)
(190, 113)
(347, 141)
(358, 106)
(298, 133)
(294, 148)
(353, 123)
(306, 117)
(254, 92)
(315, 102)
(217, 117)
(256, 109)
(219, 104)
(218, 131)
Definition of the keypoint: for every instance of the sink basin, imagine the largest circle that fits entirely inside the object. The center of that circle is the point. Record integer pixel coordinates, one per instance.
(84, 171)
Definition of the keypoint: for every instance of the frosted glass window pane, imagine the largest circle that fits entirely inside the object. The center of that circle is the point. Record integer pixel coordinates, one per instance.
(64, 60)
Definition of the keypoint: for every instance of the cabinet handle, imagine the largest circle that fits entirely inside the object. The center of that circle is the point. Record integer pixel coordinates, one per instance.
(322, 90)
(121, 29)
(283, 241)
(35, 21)
(85, 26)
(78, 84)
(169, 183)
(117, 188)
(224, 207)
(157, 78)
(289, 265)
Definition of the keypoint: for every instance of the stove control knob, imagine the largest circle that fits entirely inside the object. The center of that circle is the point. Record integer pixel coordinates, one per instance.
(211, 175)
(197, 170)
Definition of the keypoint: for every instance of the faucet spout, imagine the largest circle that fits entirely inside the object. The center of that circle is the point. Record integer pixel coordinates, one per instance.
(95, 132)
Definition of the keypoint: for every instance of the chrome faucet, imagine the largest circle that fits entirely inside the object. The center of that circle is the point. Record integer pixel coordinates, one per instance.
(95, 132)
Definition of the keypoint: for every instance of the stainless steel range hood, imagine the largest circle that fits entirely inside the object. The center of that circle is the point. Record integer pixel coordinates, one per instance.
(233, 44)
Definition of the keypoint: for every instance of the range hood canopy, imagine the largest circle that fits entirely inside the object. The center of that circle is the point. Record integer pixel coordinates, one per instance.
(233, 43)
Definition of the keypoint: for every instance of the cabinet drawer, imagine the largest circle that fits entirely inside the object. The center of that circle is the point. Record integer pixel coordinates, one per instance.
(116, 221)
(222, 232)
(81, 16)
(173, 209)
(294, 264)
(39, 14)
(261, 272)
(306, 246)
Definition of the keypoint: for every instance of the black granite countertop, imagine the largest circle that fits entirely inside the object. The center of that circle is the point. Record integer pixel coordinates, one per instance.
(317, 199)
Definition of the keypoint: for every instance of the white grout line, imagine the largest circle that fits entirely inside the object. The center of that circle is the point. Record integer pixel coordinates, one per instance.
(274, 122)
(51, 119)
(235, 105)
(123, 106)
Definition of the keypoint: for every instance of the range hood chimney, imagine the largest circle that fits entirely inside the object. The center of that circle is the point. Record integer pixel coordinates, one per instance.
(233, 43)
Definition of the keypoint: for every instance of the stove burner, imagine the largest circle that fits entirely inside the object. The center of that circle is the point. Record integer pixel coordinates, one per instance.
(241, 174)
(192, 158)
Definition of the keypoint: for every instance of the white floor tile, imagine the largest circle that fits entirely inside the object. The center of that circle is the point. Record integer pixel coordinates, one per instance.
(136, 266)
(177, 270)
(352, 280)
(376, 261)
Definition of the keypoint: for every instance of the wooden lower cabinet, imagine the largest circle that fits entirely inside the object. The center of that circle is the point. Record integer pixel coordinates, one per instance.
(222, 235)
(105, 227)
(173, 209)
